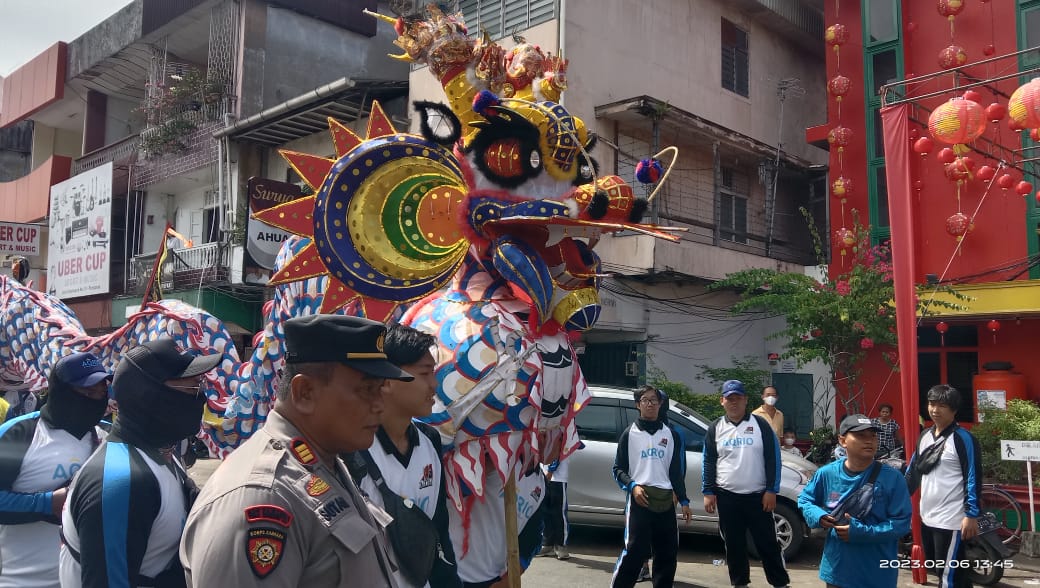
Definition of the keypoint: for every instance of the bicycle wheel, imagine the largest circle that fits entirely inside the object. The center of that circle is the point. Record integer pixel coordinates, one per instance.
(1008, 513)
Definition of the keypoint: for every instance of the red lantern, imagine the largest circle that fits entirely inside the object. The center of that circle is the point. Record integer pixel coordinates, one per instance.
(957, 121)
(1034, 134)
(956, 172)
(974, 96)
(996, 111)
(1006, 181)
(1024, 187)
(1024, 105)
(918, 185)
(985, 173)
(958, 225)
(989, 50)
(839, 86)
(839, 137)
(942, 327)
(914, 133)
(841, 187)
(946, 155)
(952, 56)
(836, 35)
(923, 146)
(1016, 126)
(993, 326)
(844, 238)
(950, 8)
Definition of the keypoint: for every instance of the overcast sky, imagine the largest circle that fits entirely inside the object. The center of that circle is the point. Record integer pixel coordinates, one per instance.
(28, 27)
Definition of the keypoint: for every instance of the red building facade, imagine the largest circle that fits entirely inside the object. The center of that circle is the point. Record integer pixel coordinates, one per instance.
(923, 53)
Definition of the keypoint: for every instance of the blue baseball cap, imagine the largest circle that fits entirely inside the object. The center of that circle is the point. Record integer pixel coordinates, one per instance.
(81, 369)
(732, 387)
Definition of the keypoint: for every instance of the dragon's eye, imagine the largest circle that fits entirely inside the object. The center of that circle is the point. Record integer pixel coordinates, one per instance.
(536, 159)
(586, 172)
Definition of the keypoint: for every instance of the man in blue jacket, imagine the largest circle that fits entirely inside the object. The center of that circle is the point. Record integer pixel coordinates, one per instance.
(741, 478)
(862, 536)
(651, 467)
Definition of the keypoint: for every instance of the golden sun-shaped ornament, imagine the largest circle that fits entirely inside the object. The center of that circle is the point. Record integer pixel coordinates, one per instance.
(382, 221)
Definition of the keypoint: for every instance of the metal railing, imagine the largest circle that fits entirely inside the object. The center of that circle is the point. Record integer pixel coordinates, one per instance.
(183, 268)
(120, 151)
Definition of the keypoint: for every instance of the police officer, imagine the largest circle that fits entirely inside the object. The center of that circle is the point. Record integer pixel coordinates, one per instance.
(282, 510)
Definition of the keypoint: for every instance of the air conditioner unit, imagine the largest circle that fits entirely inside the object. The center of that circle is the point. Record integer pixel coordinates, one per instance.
(632, 368)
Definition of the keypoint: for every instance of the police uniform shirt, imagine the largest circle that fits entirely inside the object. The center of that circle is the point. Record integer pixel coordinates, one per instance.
(35, 460)
(744, 451)
(123, 518)
(274, 515)
(484, 556)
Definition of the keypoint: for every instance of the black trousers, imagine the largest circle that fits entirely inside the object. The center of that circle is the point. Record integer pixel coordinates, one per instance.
(556, 524)
(945, 545)
(645, 532)
(740, 514)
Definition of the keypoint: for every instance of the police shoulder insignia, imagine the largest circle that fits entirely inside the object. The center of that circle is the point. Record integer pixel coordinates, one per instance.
(316, 486)
(268, 513)
(264, 548)
(303, 452)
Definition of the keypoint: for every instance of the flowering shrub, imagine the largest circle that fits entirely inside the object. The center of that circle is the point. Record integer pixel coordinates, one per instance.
(838, 321)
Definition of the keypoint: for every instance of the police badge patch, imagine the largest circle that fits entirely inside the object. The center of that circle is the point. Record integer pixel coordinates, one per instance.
(264, 549)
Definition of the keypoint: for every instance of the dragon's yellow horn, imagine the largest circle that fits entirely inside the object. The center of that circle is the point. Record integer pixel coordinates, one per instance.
(381, 17)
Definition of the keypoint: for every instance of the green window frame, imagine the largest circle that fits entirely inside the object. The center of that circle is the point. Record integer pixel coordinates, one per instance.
(882, 63)
(1029, 13)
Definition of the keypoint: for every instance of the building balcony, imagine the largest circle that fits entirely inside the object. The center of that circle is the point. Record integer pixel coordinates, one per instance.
(182, 268)
(28, 198)
(119, 153)
(634, 254)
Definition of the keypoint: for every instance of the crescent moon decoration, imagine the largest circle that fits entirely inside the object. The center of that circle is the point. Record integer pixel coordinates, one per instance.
(382, 222)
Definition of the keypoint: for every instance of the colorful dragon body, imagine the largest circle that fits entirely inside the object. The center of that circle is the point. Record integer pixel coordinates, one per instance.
(496, 202)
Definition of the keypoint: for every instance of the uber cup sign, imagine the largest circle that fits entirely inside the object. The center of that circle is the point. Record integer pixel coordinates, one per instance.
(79, 243)
(20, 239)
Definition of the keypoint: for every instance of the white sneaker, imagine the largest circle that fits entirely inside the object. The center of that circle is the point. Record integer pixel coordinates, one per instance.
(644, 574)
(546, 551)
(562, 553)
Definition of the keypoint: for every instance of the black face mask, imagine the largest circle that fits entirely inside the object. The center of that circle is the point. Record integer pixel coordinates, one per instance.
(69, 410)
(154, 414)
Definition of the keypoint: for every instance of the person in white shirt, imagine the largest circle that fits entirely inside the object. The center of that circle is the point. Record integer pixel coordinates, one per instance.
(740, 479)
(39, 454)
(557, 527)
(788, 445)
(650, 466)
(948, 465)
(406, 452)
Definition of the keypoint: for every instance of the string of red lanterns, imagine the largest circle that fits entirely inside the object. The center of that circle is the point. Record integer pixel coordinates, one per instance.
(840, 136)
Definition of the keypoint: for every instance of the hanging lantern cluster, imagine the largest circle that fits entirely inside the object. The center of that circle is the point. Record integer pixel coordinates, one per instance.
(953, 55)
(840, 136)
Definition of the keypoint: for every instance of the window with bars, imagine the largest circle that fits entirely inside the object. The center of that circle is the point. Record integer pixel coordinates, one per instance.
(733, 221)
(505, 17)
(735, 67)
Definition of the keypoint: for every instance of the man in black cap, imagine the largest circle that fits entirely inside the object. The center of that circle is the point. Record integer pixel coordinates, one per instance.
(282, 509)
(125, 512)
(39, 453)
(865, 508)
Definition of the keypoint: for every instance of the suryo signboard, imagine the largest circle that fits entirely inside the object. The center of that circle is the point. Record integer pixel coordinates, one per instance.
(78, 249)
(264, 241)
(20, 239)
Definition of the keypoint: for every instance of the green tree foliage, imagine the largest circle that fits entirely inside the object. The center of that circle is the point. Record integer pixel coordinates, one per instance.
(839, 321)
(709, 405)
(1020, 422)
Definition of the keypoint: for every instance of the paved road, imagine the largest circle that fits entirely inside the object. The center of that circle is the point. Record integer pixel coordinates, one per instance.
(594, 551)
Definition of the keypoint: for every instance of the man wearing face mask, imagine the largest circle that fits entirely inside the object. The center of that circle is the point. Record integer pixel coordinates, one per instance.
(125, 512)
(39, 453)
(770, 412)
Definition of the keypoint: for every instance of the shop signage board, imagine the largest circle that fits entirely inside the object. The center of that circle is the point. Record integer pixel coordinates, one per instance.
(79, 250)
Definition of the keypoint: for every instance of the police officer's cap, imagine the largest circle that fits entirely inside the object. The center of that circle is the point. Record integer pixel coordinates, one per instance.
(353, 341)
